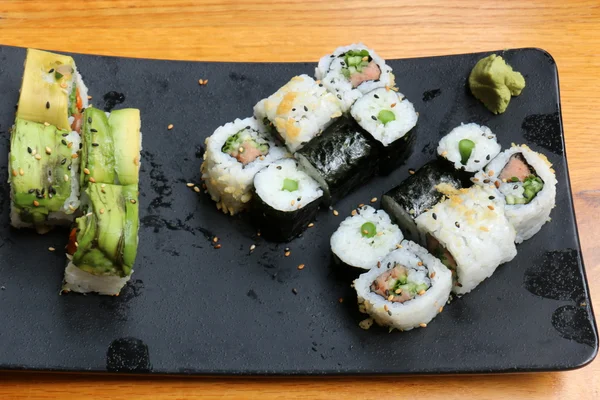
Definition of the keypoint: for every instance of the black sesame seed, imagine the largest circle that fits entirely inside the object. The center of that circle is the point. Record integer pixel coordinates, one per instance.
(69, 167)
(47, 104)
(279, 167)
(248, 127)
(31, 191)
(93, 130)
(476, 161)
(389, 312)
(293, 109)
(339, 97)
(64, 142)
(65, 135)
(487, 157)
(320, 85)
(80, 146)
(49, 172)
(491, 197)
(50, 195)
(457, 224)
(305, 108)
(29, 150)
(434, 215)
(294, 291)
(51, 71)
(374, 118)
(515, 187)
(43, 191)
(89, 120)
(95, 144)
(37, 192)
(64, 160)
(376, 96)
(486, 181)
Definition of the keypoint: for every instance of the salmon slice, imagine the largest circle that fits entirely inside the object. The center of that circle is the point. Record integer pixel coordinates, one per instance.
(369, 73)
(516, 167)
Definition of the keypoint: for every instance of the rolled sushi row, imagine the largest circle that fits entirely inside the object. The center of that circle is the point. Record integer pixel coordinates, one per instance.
(466, 210)
(341, 129)
(72, 164)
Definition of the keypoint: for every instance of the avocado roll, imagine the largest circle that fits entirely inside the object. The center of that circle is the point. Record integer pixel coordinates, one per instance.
(470, 234)
(103, 245)
(389, 118)
(235, 152)
(341, 159)
(286, 200)
(407, 290)
(468, 148)
(298, 111)
(364, 238)
(111, 147)
(52, 91)
(525, 180)
(417, 194)
(43, 175)
(351, 71)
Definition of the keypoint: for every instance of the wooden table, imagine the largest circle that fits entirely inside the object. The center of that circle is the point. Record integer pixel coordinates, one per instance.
(256, 30)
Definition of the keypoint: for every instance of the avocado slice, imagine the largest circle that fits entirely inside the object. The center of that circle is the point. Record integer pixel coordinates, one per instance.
(97, 153)
(40, 165)
(44, 92)
(107, 235)
(125, 128)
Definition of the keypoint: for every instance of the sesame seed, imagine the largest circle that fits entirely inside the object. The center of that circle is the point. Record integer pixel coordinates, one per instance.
(374, 199)
(385, 307)
(341, 300)
(301, 267)
(66, 177)
(69, 145)
(411, 211)
(29, 150)
(205, 82)
(89, 97)
(170, 127)
(86, 171)
(420, 263)
(378, 264)
(353, 213)
(92, 179)
(95, 144)
(379, 233)
(75, 156)
(444, 153)
(189, 184)
(46, 124)
(295, 291)
(374, 118)
(457, 224)
(393, 105)
(398, 246)
(491, 197)
(14, 172)
(51, 249)
(215, 239)
(497, 184)
(103, 185)
(36, 203)
(491, 207)
(196, 189)
(38, 157)
(434, 216)
(102, 211)
(311, 225)
(33, 152)
(432, 275)
(387, 88)
(390, 297)
(21, 172)
(287, 253)
(218, 246)
(490, 172)
(252, 247)
(292, 202)
(421, 293)
(411, 171)
(336, 213)
(398, 291)
(475, 180)
(47, 104)
(361, 205)
(63, 85)
(71, 207)
(133, 201)
(441, 309)
(423, 325)
(200, 81)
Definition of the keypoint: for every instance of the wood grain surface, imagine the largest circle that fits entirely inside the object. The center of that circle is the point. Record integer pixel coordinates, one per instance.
(294, 30)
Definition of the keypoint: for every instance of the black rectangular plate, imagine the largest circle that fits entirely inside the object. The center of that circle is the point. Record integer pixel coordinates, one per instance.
(193, 309)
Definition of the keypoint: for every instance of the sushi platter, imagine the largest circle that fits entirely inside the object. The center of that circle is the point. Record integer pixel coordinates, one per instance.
(353, 215)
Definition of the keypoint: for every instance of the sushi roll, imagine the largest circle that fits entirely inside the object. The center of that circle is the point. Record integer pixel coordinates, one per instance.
(111, 147)
(526, 181)
(298, 111)
(103, 246)
(469, 148)
(52, 91)
(341, 159)
(365, 238)
(286, 200)
(409, 289)
(389, 118)
(416, 195)
(351, 71)
(470, 234)
(43, 175)
(235, 152)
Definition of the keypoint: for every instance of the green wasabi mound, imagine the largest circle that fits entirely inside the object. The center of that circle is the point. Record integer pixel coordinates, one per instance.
(493, 82)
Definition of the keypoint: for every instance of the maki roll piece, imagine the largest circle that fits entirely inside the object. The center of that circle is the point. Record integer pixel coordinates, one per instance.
(298, 111)
(351, 71)
(43, 175)
(341, 159)
(417, 194)
(409, 289)
(286, 200)
(469, 148)
(235, 152)
(526, 181)
(103, 246)
(111, 147)
(389, 118)
(52, 91)
(365, 238)
(470, 234)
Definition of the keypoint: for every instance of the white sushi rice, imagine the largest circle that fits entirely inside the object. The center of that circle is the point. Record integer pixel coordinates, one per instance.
(329, 72)
(300, 110)
(227, 180)
(414, 313)
(486, 146)
(354, 249)
(366, 109)
(473, 227)
(77, 280)
(269, 181)
(527, 219)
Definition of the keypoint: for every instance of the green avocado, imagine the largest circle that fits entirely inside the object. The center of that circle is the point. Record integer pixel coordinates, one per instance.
(107, 236)
(125, 127)
(39, 170)
(493, 82)
(97, 153)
